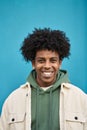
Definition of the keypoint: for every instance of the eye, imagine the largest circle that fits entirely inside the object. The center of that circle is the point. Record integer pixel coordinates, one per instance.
(40, 61)
(54, 60)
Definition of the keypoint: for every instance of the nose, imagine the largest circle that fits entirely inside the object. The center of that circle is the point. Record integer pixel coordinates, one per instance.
(47, 64)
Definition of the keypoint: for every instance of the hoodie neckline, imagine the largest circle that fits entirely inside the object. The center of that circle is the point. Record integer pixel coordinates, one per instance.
(62, 77)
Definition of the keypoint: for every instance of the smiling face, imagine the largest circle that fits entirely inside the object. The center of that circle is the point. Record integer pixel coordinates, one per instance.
(46, 64)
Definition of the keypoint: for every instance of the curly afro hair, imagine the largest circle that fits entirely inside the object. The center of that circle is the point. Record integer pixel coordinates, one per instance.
(45, 39)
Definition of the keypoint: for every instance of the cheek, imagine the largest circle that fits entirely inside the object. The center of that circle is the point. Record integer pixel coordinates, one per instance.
(57, 67)
(35, 65)
(38, 68)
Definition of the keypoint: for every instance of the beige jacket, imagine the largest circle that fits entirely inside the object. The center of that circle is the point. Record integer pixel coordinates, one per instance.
(16, 112)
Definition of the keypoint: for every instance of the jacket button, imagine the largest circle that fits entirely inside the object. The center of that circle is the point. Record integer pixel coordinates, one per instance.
(76, 118)
(13, 119)
(26, 94)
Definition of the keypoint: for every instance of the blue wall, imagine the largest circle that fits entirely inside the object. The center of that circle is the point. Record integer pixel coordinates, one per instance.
(18, 17)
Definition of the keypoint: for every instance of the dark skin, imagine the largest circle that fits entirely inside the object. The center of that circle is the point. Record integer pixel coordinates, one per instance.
(46, 64)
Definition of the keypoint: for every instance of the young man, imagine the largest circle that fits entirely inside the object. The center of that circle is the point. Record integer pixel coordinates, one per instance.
(47, 101)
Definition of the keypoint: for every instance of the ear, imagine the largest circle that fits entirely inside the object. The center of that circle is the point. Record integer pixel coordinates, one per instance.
(60, 63)
(33, 64)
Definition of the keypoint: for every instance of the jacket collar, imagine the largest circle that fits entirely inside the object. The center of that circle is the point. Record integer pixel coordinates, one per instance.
(26, 85)
(63, 85)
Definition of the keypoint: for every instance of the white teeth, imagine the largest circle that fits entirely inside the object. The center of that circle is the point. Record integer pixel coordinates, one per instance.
(47, 74)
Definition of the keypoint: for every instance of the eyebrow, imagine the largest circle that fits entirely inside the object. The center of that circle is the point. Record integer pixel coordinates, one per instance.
(44, 58)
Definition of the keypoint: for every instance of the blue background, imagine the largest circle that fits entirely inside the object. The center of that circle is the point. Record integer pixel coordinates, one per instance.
(20, 17)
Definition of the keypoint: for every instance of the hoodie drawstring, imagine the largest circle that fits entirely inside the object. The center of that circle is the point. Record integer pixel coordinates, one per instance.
(50, 110)
(37, 106)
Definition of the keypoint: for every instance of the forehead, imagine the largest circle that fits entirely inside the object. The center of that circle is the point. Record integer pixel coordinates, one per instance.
(46, 53)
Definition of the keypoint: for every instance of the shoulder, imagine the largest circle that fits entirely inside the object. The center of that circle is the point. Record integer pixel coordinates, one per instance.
(19, 93)
(73, 89)
(17, 99)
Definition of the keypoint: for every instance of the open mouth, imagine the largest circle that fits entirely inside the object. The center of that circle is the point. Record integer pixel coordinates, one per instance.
(47, 74)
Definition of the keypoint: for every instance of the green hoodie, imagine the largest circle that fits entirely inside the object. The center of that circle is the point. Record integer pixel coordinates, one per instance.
(45, 104)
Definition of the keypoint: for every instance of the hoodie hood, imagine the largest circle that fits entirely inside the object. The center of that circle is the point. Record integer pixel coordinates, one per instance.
(62, 77)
